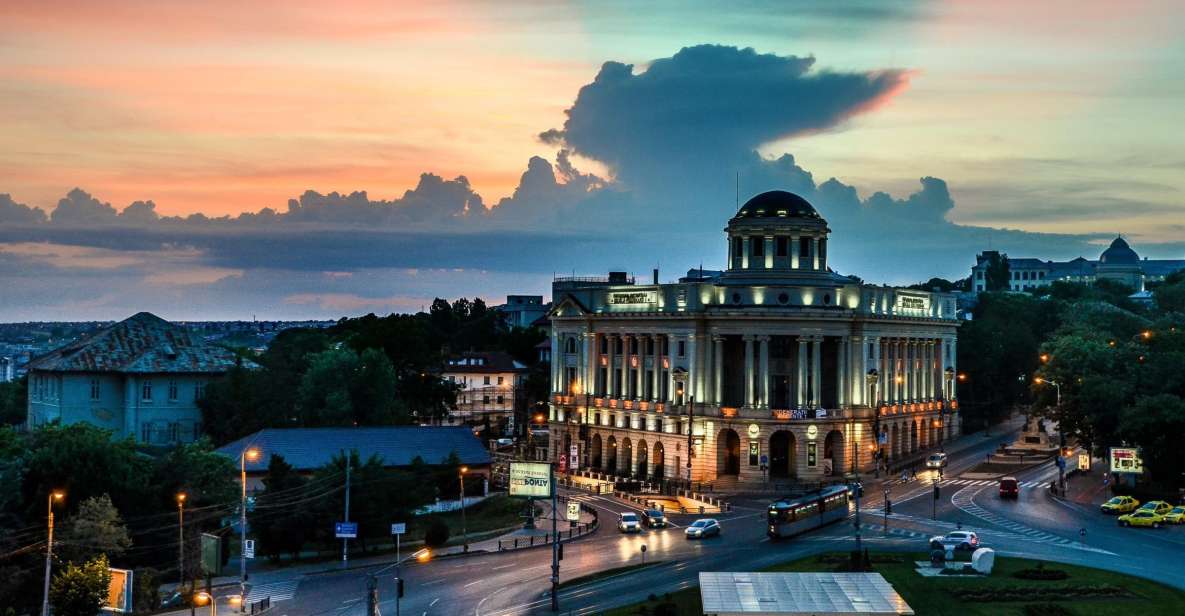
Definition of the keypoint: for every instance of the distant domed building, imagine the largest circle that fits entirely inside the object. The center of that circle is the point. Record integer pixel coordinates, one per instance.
(1118, 262)
(774, 369)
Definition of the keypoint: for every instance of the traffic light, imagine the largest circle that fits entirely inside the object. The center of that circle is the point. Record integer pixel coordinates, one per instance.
(399, 587)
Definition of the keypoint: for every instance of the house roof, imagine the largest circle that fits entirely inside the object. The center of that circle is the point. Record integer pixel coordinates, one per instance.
(143, 343)
(311, 448)
(482, 362)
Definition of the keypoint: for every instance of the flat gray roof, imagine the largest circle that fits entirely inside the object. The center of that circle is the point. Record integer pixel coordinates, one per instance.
(856, 594)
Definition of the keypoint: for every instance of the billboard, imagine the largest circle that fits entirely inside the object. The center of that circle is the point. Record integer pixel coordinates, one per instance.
(119, 592)
(1126, 460)
(530, 479)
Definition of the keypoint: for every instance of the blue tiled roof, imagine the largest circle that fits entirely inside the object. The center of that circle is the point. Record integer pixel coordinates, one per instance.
(307, 449)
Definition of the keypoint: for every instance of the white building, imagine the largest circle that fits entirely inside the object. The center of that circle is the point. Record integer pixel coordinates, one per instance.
(7, 369)
(489, 384)
(1118, 263)
(780, 365)
(141, 377)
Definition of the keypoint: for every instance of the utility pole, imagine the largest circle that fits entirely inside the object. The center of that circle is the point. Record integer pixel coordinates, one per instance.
(53, 496)
(859, 488)
(346, 540)
(555, 546)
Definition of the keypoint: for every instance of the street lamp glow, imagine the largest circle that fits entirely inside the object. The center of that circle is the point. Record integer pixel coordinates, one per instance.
(251, 454)
(180, 497)
(423, 555)
(235, 599)
(1147, 334)
(59, 495)
(464, 469)
(1044, 357)
(202, 598)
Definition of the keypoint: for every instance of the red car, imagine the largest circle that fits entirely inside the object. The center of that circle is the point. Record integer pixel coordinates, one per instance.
(1009, 487)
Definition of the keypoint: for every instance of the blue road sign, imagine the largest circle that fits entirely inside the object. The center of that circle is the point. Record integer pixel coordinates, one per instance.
(345, 530)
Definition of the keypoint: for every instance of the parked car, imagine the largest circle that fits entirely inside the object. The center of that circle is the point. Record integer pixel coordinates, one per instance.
(1158, 507)
(936, 460)
(958, 540)
(654, 518)
(628, 523)
(1009, 488)
(1176, 515)
(703, 528)
(1142, 517)
(1120, 504)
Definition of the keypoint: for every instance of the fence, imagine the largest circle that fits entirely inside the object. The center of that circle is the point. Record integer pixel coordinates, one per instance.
(635, 490)
(261, 605)
(578, 531)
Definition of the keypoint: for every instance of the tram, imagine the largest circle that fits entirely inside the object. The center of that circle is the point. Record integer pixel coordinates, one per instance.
(796, 515)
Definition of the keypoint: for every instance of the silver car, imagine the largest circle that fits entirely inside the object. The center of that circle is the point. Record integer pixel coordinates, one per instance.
(703, 528)
(629, 523)
(936, 460)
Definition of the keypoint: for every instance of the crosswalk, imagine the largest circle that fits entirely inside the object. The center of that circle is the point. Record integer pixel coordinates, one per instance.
(278, 591)
(987, 482)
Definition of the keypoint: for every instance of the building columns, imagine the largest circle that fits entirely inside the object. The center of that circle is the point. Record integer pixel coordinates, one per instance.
(802, 372)
(718, 369)
(816, 370)
(763, 389)
(749, 393)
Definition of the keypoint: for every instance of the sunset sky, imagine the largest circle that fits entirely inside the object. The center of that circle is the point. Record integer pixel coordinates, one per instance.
(1055, 117)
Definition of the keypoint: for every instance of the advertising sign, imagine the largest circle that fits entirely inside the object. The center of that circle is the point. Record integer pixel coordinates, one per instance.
(530, 479)
(211, 553)
(119, 592)
(249, 548)
(1083, 461)
(345, 530)
(573, 512)
(1126, 460)
(574, 457)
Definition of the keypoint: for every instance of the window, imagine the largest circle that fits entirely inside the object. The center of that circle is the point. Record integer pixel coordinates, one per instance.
(604, 345)
(1041, 275)
(174, 432)
(781, 245)
(737, 247)
(487, 379)
(146, 432)
(822, 251)
(95, 389)
(570, 345)
(199, 391)
(500, 380)
(172, 391)
(682, 348)
(501, 400)
(804, 252)
(485, 399)
(979, 275)
(146, 391)
(758, 246)
(197, 430)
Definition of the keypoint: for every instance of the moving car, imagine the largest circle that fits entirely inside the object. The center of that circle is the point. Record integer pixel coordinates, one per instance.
(1158, 507)
(703, 528)
(1120, 504)
(1009, 488)
(1143, 517)
(936, 460)
(957, 539)
(629, 523)
(1176, 516)
(654, 518)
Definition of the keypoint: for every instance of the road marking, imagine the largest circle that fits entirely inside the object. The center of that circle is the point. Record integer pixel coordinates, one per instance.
(434, 602)
(503, 567)
(472, 583)
(433, 582)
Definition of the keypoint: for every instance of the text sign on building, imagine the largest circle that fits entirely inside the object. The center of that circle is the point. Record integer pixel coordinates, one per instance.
(530, 479)
(574, 457)
(913, 303)
(633, 297)
(1126, 460)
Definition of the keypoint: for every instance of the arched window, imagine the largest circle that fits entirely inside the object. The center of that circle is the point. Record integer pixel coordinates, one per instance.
(570, 345)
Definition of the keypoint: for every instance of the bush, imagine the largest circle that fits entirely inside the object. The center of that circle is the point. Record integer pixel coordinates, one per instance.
(1046, 609)
(437, 533)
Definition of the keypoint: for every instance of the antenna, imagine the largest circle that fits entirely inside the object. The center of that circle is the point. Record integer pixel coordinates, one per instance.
(738, 189)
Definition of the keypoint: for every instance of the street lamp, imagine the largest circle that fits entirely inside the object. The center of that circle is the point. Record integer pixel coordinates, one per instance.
(464, 528)
(181, 540)
(1061, 434)
(203, 598)
(53, 496)
(949, 376)
(872, 378)
(249, 454)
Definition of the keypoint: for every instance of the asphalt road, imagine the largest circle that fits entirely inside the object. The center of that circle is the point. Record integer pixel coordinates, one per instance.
(1034, 525)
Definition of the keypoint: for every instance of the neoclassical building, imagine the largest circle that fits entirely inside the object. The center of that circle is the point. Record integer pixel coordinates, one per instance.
(774, 368)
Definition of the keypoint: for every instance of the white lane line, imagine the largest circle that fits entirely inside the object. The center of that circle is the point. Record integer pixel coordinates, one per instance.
(440, 581)
(503, 567)
(434, 602)
(472, 583)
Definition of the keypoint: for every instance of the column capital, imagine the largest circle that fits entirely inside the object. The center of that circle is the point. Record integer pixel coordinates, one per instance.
(748, 337)
(717, 338)
(763, 338)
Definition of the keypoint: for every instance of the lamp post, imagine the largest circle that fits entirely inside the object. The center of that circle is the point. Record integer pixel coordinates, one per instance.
(1061, 435)
(873, 377)
(372, 581)
(464, 528)
(251, 454)
(203, 598)
(181, 540)
(53, 496)
(690, 437)
(949, 376)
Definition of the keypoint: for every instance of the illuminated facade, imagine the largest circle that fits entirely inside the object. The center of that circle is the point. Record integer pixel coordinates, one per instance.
(778, 361)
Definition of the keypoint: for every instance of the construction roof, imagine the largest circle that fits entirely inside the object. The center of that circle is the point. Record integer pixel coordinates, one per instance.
(729, 593)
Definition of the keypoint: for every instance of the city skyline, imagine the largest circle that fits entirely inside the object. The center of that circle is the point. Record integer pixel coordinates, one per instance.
(417, 145)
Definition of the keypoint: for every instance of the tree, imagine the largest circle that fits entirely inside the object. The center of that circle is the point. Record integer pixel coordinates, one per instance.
(997, 276)
(84, 461)
(80, 590)
(1155, 424)
(13, 397)
(437, 533)
(95, 529)
(281, 527)
(1170, 294)
(343, 388)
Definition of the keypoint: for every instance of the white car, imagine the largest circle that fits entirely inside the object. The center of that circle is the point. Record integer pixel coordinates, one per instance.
(629, 523)
(936, 460)
(955, 540)
(703, 528)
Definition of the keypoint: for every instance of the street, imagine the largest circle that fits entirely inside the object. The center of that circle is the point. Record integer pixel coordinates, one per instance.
(1035, 525)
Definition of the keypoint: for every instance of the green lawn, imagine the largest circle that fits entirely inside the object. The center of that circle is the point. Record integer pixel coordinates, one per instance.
(600, 575)
(934, 596)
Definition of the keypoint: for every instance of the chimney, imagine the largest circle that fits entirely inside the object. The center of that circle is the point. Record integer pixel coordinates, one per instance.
(656, 275)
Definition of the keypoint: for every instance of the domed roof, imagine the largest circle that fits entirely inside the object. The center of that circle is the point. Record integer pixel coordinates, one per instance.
(777, 204)
(1119, 253)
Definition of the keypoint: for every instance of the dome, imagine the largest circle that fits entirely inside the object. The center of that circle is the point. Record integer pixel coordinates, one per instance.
(1119, 253)
(777, 204)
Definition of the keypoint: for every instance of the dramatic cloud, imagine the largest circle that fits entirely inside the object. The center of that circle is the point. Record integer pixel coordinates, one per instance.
(78, 208)
(13, 213)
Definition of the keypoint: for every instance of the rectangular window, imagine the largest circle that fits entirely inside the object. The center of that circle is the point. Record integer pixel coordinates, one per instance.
(485, 399)
(501, 400)
(979, 275)
(146, 432)
(781, 245)
(737, 247)
(197, 430)
(174, 432)
(682, 348)
(758, 245)
(95, 389)
(500, 380)
(487, 379)
(146, 391)
(804, 251)
(604, 345)
(1041, 275)
(172, 391)
(822, 251)
(199, 391)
